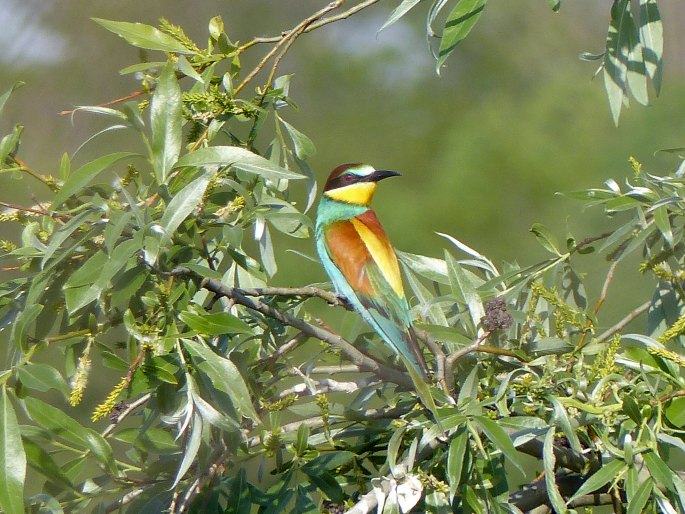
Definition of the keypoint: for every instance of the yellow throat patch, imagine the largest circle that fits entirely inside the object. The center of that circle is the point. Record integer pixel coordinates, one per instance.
(359, 193)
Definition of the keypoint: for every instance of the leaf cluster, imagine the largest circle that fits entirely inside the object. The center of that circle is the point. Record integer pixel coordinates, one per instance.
(154, 264)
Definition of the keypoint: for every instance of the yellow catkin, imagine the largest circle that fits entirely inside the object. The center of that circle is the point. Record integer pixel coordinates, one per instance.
(105, 407)
(605, 363)
(79, 380)
(178, 34)
(669, 355)
(673, 331)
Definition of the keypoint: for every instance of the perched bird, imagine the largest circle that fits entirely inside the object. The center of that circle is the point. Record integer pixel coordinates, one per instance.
(360, 260)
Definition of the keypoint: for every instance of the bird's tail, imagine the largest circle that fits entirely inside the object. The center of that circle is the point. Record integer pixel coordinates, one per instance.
(403, 340)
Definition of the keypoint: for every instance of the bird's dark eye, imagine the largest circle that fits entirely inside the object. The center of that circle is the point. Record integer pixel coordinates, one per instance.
(348, 179)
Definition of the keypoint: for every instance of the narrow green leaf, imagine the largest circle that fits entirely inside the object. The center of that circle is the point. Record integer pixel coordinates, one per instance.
(61, 235)
(663, 223)
(143, 36)
(616, 58)
(631, 408)
(12, 459)
(216, 323)
(459, 23)
(328, 461)
(549, 461)
(191, 449)
(545, 238)
(394, 448)
(635, 67)
(24, 323)
(652, 38)
(184, 203)
(675, 412)
(224, 376)
(238, 157)
(304, 147)
(166, 123)
(208, 412)
(501, 440)
(62, 425)
(422, 389)
(661, 473)
(600, 478)
(302, 441)
(78, 290)
(327, 483)
(637, 502)
(455, 459)
(56, 421)
(266, 252)
(398, 12)
(240, 494)
(464, 288)
(187, 69)
(42, 377)
(82, 176)
(428, 267)
(101, 450)
(9, 143)
(303, 502)
(562, 421)
(42, 461)
(5, 96)
(483, 261)
(471, 499)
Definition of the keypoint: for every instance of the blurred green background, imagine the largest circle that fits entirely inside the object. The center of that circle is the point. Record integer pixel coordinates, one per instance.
(483, 148)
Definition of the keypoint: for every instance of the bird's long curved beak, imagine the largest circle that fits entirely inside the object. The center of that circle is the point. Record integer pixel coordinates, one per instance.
(380, 175)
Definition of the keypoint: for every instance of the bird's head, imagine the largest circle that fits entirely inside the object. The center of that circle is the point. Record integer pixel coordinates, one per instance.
(354, 183)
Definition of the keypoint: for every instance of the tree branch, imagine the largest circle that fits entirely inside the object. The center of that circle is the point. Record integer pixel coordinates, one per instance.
(364, 362)
(326, 385)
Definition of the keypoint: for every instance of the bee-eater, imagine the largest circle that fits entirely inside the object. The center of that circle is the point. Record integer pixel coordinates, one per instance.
(360, 260)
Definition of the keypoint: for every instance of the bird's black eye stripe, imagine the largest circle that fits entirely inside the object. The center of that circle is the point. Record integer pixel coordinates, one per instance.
(342, 180)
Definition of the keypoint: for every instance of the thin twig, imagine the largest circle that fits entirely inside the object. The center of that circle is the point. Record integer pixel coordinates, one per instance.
(130, 96)
(451, 360)
(589, 240)
(21, 208)
(126, 412)
(305, 292)
(313, 26)
(636, 312)
(125, 500)
(455, 356)
(31, 172)
(285, 348)
(605, 288)
(284, 39)
(598, 305)
(440, 359)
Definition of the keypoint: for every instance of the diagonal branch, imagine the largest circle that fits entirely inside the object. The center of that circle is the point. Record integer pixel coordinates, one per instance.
(364, 362)
(636, 312)
(284, 42)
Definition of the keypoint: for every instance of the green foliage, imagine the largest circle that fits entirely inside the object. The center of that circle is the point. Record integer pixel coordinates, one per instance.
(154, 263)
